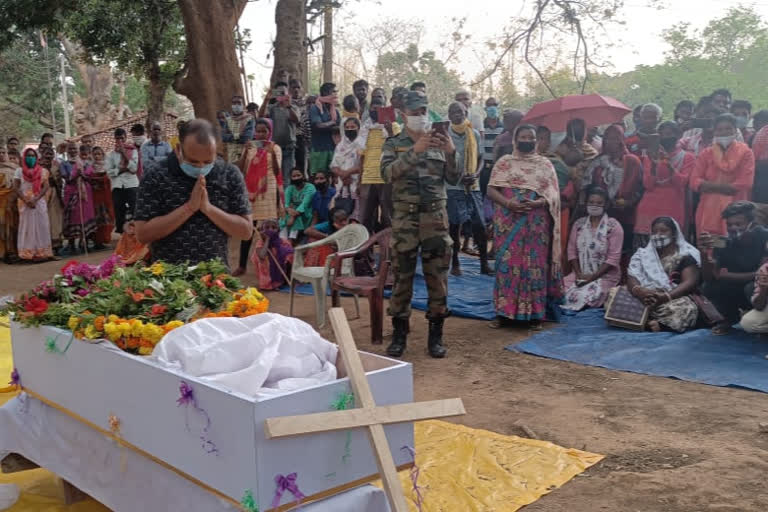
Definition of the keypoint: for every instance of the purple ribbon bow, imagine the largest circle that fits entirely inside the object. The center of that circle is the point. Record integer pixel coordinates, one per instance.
(186, 399)
(15, 378)
(415, 471)
(286, 483)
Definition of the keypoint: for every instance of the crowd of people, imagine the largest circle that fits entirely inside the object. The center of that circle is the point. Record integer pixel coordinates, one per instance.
(668, 208)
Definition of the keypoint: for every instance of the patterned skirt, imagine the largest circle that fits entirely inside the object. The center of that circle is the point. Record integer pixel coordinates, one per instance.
(525, 282)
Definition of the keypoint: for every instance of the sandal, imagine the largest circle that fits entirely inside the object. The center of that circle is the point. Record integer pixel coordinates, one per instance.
(498, 323)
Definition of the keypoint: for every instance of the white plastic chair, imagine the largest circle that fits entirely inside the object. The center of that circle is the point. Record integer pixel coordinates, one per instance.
(348, 238)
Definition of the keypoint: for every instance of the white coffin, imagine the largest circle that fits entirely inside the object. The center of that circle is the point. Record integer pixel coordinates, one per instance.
(96, 381)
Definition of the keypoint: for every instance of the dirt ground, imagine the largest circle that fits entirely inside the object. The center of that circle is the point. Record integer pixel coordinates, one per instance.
(670, 446)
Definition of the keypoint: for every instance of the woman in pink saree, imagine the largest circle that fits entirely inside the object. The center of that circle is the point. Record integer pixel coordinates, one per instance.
(526, 222)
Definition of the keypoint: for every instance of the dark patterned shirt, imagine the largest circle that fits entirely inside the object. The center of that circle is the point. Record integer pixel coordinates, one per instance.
(165, 188)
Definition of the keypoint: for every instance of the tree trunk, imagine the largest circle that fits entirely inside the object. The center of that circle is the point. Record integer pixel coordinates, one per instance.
(94, 111)
(212, 71)
(290, 51)
(328, 45)
(156, 89)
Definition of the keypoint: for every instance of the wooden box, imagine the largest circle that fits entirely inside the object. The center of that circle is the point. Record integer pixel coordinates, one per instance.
(94, 381)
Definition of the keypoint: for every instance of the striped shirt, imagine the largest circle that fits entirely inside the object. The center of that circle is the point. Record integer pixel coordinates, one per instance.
(489, 138)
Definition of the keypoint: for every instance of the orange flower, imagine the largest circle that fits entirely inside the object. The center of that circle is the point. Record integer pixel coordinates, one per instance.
(158, 309)
(206, 279)
(132, 342)
(137, 297)
(98, 323)
(149, 293)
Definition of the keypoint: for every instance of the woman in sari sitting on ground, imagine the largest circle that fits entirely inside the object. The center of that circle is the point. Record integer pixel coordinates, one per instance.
(594, 253)
(272, 256)
(526, 222)
(664, 274)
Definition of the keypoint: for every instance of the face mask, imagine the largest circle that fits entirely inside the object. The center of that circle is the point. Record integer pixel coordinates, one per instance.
(525, 146)
(351, 134)
(30, 160)
(741, 122)
(321, 186)
(492, 112)
(419, 124)
(237, 109)
(138, 141)
(297, 182)
(595, 211)
(725, 142)
(194, 171)
(660, 241)
(668, 143)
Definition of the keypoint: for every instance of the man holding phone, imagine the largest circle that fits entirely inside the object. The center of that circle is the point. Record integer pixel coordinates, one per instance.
(729, 265)
(418, 163)
(285, 118)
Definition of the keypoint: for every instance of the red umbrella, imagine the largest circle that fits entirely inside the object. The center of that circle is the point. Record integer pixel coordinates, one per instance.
(594, 109)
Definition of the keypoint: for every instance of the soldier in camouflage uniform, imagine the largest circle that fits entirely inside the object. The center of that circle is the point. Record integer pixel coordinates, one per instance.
(418, 162)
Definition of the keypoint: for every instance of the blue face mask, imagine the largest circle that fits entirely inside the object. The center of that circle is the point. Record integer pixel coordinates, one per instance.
(492, 112)
(194, 171)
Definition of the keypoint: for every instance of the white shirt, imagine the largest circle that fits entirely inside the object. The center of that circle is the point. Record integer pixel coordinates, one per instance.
(126, 179)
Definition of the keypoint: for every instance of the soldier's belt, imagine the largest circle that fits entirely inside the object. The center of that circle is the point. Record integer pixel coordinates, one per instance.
(419, 207)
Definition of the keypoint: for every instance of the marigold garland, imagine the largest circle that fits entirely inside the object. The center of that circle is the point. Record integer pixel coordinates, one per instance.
(134, 307)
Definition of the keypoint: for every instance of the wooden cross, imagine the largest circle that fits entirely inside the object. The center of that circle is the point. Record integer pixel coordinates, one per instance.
(367, 415)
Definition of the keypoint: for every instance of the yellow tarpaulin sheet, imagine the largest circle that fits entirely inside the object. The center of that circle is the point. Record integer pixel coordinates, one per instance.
(474, 470)
(462, 469)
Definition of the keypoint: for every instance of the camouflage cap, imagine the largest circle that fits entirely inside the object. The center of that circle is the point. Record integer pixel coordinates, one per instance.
(416, 100)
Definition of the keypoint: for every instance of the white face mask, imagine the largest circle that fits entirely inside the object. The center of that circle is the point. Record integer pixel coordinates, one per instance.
(237, 109)
(139, 140)
(418, 124)
(742, 121)
(595, 211)
(725, 141)
(660, 241)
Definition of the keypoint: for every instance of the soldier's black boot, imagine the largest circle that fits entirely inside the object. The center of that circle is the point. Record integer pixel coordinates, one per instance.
(435, 343)
(399, 337)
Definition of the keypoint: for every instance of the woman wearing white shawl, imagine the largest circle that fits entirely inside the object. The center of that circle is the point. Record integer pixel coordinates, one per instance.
(347, 165)
(664, 274)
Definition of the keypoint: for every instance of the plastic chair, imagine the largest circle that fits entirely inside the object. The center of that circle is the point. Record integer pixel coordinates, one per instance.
(371, 287)
(346, 239)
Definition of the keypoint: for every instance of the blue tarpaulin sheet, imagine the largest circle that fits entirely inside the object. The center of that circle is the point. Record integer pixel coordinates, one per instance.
(736, 359)
(469, 296)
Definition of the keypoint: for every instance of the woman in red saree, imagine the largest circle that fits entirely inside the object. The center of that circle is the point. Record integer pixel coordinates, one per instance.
(526, 222)
(665, 181)
(620, 173)
(102, 201)
(260, 164)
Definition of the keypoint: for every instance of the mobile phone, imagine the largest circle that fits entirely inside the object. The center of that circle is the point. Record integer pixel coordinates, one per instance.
(258, 144)
(704, 122)
(385, 115)
(441, 127)
(720, 242)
